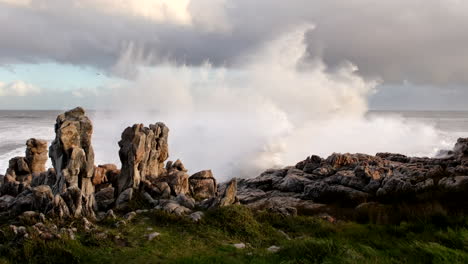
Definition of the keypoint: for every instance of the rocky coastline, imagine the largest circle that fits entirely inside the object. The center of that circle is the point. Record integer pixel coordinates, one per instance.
(384, 188)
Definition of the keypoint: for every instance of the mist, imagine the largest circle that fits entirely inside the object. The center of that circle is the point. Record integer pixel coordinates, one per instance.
(273, 110)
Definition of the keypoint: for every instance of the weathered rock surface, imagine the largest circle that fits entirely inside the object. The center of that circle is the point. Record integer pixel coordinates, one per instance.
(142, 152)
(203, 185)
(348, 181)
(72, 156)
(36, 155)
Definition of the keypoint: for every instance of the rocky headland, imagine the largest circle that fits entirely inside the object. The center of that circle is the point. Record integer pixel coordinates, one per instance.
(384, 188)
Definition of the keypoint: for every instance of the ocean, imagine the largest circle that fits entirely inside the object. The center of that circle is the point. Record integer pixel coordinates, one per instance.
(16, 127)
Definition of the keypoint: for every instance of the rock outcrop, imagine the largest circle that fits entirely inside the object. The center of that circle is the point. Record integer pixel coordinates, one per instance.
(72, 156)
(22, 170)
(76, 188)
(350, 181)
(142, 152)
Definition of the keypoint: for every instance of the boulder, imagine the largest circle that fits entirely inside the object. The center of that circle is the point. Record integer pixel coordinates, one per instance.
(43, 198)
(5, 202)
(177, 179)
(202, 185)
(123, 199)
(105, 198)
(142, 152)
(228, 196)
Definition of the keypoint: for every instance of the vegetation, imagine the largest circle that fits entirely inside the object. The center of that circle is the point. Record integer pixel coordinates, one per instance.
(301, 239)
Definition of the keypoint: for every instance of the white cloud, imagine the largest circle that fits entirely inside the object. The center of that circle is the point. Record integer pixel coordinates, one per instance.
(205, 13)
(18, 88)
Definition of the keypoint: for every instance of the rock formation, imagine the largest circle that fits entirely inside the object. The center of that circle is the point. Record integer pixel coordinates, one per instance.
(76, 188)
(354, 181)
(142, 152)
(343, 185)
(22, 170)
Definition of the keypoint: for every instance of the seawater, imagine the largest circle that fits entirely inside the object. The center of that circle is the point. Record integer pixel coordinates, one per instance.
(16, 127)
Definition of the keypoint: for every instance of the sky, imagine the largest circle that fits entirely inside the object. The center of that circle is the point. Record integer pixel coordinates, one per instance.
(57, 54)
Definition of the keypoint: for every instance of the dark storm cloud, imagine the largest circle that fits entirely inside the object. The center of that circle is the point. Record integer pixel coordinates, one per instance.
(422, 41)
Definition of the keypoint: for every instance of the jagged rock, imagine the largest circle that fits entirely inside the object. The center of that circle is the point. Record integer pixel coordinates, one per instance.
(173, 207)
(185, 201)
(196, 216)
(149, 199)
(60, 208)
(177, 181)
(344, 181)
(228, 197)
(105, 198)
(6, 201)
(294, 181)
(36, 155)
(454, 184)
(73, 199)
(43, 198)
(203, 185)
(11, 186)
(23, 202)
(48, 177)
(159, 189)
(110, 215)
(142, 152)
(129, 216)
(124, 198)
(72, 156)
(460, 150)
(105, 176)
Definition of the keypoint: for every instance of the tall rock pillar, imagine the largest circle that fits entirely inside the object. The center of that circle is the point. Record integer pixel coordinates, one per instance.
(72, 156)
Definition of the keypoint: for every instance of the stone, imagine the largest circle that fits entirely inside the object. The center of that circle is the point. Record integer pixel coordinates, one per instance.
(72, 157)
(273, 249)
(130, 216)
(239, 245)
(185, 201)
(43, 198)
(60, 208)
(177, 181)
(123, 199)
(460, 150)
(110, 216)
(105, 198)
(143, 151)
(196, 216)
(229, 196)
(5, 202)
(172, 207)
(203, 185)
(36, 155)
(153, 235)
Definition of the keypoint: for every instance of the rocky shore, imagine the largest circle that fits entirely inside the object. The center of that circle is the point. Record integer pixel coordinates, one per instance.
(382, 188)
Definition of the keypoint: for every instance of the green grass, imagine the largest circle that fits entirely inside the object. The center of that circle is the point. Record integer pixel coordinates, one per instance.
(310, 240)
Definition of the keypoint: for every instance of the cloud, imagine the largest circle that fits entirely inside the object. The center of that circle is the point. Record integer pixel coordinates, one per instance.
(18, 88)
(421, 41)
